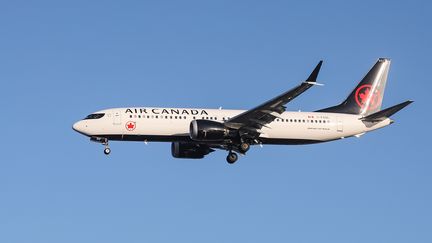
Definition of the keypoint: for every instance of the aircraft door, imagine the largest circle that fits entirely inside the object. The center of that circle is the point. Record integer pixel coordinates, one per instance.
(339, 125)
(117, 118)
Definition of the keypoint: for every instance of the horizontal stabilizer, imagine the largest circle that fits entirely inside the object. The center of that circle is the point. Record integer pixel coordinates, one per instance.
(386, 113)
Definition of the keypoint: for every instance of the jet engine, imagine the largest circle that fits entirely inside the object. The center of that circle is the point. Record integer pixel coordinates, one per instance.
(186, 150)
(205, 130)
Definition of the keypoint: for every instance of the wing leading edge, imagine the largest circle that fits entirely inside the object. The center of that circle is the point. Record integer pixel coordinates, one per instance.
(250, 121)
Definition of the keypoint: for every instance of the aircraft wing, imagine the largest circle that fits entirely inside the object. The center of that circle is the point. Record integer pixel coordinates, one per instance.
(252, 120)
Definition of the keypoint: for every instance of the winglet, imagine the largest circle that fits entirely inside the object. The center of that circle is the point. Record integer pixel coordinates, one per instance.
(313, 83)
(386, 113)
(313, 76)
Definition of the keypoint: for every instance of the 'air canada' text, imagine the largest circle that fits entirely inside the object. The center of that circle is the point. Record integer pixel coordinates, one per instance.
(158, 111)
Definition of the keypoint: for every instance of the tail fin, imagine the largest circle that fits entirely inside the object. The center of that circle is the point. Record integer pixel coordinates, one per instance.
(367, 97)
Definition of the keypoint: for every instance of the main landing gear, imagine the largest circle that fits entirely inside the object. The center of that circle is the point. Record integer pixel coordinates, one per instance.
(232, 157)
(244, 147)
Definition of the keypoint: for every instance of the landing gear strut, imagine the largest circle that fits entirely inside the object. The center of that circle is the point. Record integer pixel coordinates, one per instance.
(232, 157)
(107, 150)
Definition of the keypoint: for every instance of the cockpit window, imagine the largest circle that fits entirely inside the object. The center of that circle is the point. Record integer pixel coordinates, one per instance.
(94, 116)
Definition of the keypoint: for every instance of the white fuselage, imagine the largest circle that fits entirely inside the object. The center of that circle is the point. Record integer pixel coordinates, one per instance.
(172, 124)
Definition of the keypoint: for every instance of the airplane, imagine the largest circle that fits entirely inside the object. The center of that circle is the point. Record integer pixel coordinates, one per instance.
(195, 133)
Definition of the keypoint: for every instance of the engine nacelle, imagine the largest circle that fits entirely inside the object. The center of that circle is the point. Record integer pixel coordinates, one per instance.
(205, 130)
(189, 150)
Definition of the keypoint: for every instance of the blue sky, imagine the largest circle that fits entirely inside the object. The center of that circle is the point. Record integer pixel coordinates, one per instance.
(61, 60)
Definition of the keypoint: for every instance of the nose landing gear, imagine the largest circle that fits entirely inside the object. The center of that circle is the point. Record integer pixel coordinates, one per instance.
(104, 142)
(107, 150)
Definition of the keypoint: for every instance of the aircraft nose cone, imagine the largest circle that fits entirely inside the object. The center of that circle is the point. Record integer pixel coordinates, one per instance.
(78, 127)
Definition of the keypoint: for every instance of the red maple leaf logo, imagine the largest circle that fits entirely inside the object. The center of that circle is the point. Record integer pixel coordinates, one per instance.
(130, 126)
(363, 96)
(363, 93)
